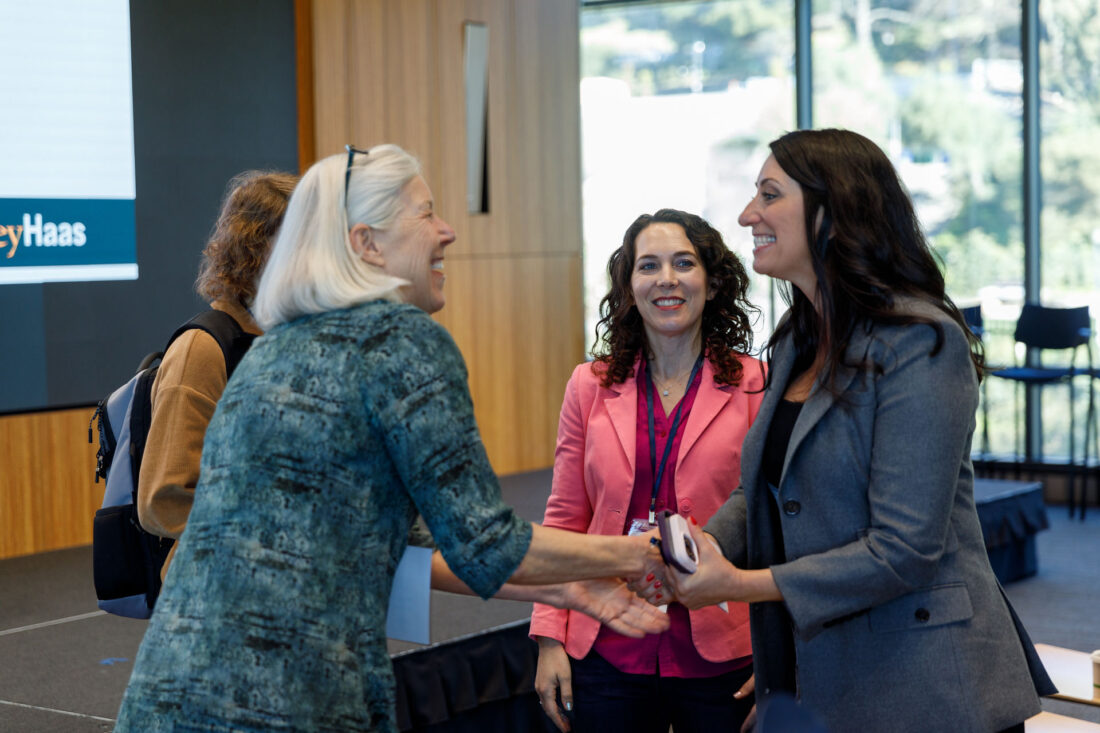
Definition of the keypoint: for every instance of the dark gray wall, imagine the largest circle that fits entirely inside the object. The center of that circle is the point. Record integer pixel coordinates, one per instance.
(214, 94)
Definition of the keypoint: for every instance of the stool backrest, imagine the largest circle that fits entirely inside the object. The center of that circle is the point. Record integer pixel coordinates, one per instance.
(973, 317)
(1053, 328)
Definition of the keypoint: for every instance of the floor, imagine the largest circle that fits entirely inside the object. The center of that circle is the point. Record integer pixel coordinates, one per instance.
(65, 665)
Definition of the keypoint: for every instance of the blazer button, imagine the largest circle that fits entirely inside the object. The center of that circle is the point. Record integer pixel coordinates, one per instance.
(922, 615)
(791, 507)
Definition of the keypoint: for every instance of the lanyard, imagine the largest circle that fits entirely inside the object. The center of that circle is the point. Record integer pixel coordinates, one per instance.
(659, 470)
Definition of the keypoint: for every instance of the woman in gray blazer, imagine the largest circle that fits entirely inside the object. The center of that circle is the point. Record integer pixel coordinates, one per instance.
(854, 535)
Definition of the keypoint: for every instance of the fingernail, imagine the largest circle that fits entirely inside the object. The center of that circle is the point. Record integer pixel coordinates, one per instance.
(569, 706)
(649, 577)
(739, 694)
(694, 521)
(657, 584)
(658, 595)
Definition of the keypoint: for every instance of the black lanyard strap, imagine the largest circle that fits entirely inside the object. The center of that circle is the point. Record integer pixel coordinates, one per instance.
(658, 471)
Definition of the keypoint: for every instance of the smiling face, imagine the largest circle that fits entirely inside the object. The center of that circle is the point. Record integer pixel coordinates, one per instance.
(777, 218)
(412, 248)
(668, 282)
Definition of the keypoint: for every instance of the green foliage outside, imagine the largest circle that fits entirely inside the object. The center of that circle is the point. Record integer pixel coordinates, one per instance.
(939, 86)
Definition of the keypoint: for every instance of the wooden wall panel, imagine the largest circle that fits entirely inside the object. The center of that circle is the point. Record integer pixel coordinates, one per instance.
(510, 313)
(547, 113)
(48, 496)
(514, 295)
(331, 108)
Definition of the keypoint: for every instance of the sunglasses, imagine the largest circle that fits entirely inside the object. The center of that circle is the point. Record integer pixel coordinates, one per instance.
(352, 150)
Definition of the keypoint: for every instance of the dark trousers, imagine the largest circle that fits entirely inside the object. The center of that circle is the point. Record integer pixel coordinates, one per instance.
(606, 700)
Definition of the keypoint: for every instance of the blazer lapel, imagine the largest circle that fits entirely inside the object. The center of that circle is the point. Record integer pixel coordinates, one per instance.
(709, 401)
(820, 399)
(752, 450)
(621, 402)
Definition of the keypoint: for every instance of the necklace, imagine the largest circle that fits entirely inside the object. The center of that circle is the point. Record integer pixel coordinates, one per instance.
(674, 381)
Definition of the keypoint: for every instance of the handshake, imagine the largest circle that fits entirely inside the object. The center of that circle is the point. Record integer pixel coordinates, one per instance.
(680, 557)
(679, 565)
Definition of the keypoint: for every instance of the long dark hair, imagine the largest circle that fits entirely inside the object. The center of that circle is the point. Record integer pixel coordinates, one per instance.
(726, 327)
(867, 250)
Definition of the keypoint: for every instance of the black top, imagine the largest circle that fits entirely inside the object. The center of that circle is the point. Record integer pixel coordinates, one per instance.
(779, 437)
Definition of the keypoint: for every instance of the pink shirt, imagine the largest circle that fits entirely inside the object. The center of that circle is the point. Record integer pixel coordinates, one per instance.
(672, 653)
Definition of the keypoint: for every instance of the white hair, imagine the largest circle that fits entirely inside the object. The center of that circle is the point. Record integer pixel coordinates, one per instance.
(313, 267)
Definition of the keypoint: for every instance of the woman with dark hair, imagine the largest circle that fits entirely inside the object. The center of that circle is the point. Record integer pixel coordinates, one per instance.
(854, 536)
(192, 374)
(654, 424)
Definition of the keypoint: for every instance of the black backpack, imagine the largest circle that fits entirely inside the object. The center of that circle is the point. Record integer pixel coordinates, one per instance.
(127, 560)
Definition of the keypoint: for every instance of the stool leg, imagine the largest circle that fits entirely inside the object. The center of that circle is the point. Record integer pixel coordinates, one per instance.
(985, 422)
(1090, 427)
(1019, 445)
(1072, 453)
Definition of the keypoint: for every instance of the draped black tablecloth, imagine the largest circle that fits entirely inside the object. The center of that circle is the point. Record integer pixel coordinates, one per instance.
(1011, 513)
(481, 682)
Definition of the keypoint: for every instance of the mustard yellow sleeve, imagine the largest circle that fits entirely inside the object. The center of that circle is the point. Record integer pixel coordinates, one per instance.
(189, 382)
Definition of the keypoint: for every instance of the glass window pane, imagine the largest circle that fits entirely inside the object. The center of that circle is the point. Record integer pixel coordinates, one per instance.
(939, 86)
(1069, 116)
(678, 101)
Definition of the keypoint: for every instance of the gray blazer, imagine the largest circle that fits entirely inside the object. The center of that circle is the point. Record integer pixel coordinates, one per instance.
(892, 618)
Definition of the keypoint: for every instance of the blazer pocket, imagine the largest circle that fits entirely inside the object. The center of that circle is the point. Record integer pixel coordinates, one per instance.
(923, 609)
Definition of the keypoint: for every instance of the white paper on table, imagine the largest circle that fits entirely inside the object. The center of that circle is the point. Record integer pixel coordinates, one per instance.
(409, 614)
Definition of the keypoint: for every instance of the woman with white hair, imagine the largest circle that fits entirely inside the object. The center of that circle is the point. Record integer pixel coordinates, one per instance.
(346, 419)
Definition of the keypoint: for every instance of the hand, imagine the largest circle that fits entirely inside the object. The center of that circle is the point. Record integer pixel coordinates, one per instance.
(609, 602)
(651, 585)
(747, 689)
(714, 581)
(554, 673)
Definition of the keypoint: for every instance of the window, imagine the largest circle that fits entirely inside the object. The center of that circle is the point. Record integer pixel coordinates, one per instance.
(939, 87)
(678, 102)
(1069, 117)
(679, 99)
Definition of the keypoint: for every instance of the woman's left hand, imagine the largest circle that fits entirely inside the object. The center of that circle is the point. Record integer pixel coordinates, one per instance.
(611, 603)
(747, 689)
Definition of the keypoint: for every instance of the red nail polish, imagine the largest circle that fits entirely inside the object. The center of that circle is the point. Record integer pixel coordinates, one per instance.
(658, 595)
(657, 584)
(694, 521)
(649, 577)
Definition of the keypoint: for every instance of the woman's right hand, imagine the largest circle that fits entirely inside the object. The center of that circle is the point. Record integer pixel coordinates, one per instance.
(714, 580)
(554, 673)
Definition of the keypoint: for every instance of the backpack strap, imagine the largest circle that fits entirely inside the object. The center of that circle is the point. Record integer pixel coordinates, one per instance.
(233, 340)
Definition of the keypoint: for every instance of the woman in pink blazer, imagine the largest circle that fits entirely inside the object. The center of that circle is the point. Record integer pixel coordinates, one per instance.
(654, 424)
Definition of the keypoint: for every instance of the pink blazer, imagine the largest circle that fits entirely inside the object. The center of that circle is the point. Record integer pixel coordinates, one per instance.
(594, 477)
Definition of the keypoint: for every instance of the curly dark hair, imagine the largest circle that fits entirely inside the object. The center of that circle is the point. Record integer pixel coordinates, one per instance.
(867, 250)
(251, 213)
(726, 327)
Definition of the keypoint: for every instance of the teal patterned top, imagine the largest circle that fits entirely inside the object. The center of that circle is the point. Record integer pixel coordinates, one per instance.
(334, 431)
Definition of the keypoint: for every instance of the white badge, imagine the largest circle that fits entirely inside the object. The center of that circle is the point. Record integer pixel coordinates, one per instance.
(640, 526)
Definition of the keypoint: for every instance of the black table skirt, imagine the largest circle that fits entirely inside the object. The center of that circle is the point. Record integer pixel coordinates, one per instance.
(482, 682)
(1011, 513)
